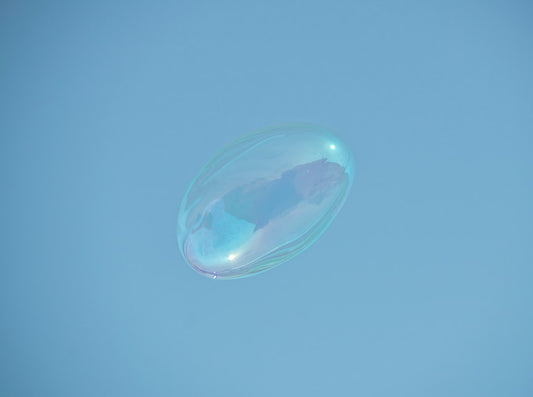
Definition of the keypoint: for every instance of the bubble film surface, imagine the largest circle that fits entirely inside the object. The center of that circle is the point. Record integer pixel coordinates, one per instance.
(263, 199)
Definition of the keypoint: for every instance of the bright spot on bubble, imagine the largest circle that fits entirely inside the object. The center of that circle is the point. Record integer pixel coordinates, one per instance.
(263, 199)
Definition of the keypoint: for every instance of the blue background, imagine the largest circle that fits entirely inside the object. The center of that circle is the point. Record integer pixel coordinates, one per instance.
(421, 287)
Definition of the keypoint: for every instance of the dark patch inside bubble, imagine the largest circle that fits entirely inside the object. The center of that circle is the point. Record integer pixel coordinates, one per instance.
(261, 201)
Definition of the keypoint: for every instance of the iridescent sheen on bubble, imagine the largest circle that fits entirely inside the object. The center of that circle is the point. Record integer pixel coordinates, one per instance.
(263, 199)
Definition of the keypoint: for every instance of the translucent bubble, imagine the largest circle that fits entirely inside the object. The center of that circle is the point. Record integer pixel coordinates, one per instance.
(263, 199)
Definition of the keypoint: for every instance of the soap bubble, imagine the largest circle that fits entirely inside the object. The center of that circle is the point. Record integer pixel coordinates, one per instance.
(262, 199)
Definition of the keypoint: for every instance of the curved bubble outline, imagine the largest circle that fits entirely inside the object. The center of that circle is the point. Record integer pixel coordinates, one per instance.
(289, 249)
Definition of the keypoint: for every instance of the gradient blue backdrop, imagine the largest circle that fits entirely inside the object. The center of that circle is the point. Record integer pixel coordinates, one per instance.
(421, 287)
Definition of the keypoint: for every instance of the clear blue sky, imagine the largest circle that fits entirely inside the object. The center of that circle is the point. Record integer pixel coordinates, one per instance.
(421, 287)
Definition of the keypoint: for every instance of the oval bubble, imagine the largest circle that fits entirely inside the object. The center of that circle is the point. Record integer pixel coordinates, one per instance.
(263, 199)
